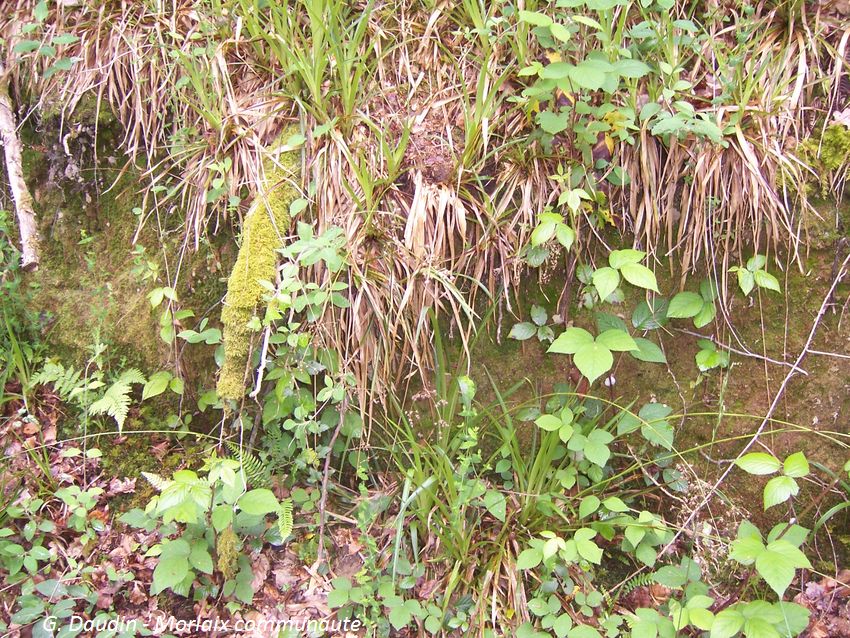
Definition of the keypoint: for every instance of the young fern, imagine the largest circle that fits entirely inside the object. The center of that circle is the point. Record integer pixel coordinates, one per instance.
(256, 471)
(284, 519)
(158, 482)
(115, 402)
(66, 382)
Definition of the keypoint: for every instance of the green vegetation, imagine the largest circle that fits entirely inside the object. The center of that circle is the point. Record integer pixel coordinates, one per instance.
(445, 319)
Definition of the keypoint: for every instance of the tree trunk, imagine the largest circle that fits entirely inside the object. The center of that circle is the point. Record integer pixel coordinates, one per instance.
(14, 168)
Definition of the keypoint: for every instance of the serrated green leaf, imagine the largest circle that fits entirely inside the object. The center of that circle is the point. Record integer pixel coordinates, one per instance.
(765, 280)
(258, 502)
(522, 331)
(571, 341)
(593, 360)
(778, 563)
(617, 340)
(685, 305)
(156, 385)
(796, 465)
(640, 276)
(648, 351)
(778, 490)
(585, 546)
(759, 463)
(605, 280)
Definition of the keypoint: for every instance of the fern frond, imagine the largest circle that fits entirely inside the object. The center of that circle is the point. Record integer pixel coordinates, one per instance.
(65, 381)
(157, 482)
(115, 402)
(256, 472)
(284, 518)
(131, 376)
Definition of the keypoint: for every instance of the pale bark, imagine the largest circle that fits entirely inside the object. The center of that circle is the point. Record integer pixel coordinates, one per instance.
(14, 169)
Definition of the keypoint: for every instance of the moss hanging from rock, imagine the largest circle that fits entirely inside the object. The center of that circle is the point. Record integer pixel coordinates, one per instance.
(835, 148)
(266, 222)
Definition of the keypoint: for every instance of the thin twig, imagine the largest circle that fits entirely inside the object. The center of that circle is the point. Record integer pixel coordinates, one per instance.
(343, 408)
(830, 354)
(746, 353)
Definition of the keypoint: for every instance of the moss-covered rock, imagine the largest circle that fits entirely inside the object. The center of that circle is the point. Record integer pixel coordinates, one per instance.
(265, 224)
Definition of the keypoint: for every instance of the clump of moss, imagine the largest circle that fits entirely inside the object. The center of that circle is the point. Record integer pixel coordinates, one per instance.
(264, 225)
(835, 147)
(227, 549)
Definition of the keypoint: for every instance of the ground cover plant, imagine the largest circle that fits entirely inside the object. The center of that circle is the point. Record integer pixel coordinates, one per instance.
(485, 319)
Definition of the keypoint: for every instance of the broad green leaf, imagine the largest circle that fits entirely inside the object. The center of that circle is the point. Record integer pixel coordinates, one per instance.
(593, 360)
(650, 315)
(615, 504)
(640, 276)
(496, 504)
(156, 385)
(709, 359)
(548, 422)
(648, 351)
(571, 341)
(584, 631)
(606, 321)
(522, 331)
(566, 236)
(585, 546)
(588, 75)
(605, 280)
(756, 262)
(529, 558)
(631, 68)
(258, 502)
(169, 572)
(778, 490)
(619, 258)
(557, 71)
(796, 465)
(795, 616)
(543, 232)
(745, 281)
(794, 534)
(778, 564)
(759, 628)
(727, 624)
(538, 315)
(562, 625)
(200, 557)
(560, 32)
(746, 549)
(222, 517)
(536, 18)
(617, 340)
(685, 305)
(706, 315)
(596, 447)
(765, 280)
(26, 46)
(399, 617)
(553, 123)
(759, 463)
(701, 618)
(588, 505)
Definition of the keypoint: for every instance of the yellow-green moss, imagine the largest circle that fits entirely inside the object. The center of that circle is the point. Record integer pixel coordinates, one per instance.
(265, 224)
(835, 147)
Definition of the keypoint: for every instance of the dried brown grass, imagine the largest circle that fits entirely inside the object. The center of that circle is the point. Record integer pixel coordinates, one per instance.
(431, 179)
